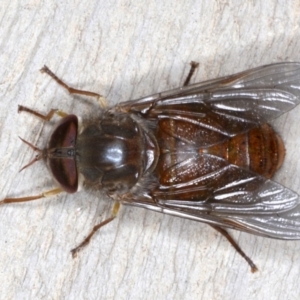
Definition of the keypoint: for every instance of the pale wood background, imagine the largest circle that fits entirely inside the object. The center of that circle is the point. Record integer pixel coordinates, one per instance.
(124, 50)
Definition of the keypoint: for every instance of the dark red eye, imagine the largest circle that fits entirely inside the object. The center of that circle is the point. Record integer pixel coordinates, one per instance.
(65, 133)
(61, 153)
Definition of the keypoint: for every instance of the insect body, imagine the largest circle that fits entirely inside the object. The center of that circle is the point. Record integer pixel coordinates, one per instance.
(203, 152)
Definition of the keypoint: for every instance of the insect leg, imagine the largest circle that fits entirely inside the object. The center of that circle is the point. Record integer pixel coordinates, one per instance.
(47, 194)
(194, 66)
(47, 117)
(114, 214)
(236, 247)
(102, 101)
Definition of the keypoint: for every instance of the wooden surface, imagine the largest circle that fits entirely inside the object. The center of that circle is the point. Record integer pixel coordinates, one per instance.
(125, 50)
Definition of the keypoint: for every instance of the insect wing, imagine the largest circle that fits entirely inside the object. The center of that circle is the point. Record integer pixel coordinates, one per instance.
(239, 102)
(227, 195)
(240, 199)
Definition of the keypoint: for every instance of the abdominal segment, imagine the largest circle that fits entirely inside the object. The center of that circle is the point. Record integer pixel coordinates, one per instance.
(260, 150)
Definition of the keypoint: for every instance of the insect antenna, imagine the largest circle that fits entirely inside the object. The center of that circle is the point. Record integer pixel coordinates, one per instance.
(38, 156)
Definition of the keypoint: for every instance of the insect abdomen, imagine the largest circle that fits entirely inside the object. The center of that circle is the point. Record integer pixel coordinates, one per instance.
(260, 150)
(266, 150)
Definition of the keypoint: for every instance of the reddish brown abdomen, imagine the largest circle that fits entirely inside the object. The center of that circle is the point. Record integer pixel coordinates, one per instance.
(260, 150)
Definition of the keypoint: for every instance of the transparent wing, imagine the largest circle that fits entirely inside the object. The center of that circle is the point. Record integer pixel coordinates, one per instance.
(240, 200)
(283, 225)
(238, 102)
(210, 112)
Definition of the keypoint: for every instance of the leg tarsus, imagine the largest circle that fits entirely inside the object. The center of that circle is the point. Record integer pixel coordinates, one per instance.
(46, 194)
(194, 66)
(47, 117)
(71, 90)
(236, 247)
(114, 214)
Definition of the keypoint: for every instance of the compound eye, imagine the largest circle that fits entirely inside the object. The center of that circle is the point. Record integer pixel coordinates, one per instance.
(62, 161)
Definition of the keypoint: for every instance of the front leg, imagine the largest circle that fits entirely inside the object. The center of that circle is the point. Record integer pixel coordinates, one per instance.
(101, 100)
(46, 117)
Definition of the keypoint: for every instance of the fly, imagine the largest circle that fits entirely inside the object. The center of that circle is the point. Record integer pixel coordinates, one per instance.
(203, 151)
